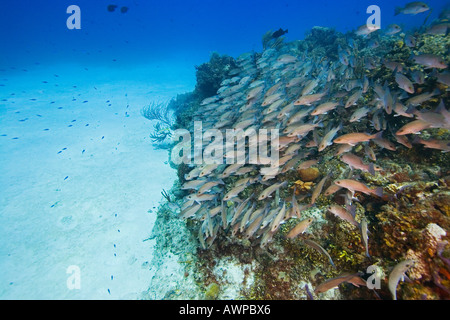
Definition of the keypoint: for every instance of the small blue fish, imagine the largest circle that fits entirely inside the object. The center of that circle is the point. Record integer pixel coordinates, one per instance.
(66, 177)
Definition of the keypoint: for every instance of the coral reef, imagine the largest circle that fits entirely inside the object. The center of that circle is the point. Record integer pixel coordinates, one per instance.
(238, 246)
(210, 75)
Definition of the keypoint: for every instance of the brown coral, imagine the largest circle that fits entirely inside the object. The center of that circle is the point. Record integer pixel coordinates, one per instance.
(309, 174)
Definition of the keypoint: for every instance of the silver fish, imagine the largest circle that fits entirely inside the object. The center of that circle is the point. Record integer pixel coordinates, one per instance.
(318, 189)
(365, 235)
(234, 192)
(353, 99)
(278, 218)
(398, 274)
(430, 61)
(268, 191)
(358, 114)
(208, 186)
(404, 83)
(412, 8)
(319, 248)
(327, 139)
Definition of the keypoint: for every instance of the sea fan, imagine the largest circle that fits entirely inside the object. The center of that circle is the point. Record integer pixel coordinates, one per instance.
(158, 111)
(161, 113)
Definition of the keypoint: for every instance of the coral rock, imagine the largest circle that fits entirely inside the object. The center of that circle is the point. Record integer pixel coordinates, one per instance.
(309, 174)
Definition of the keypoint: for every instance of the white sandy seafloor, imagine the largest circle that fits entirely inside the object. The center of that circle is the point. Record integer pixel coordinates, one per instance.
(80, 179)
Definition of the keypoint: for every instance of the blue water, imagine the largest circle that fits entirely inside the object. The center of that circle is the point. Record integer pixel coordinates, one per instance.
(178, 31)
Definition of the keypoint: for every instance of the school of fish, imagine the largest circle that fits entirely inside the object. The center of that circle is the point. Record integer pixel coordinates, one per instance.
(316, 103)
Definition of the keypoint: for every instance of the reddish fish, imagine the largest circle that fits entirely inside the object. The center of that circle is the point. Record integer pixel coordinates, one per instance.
(356, 137)
(413, 127)
(354, 185)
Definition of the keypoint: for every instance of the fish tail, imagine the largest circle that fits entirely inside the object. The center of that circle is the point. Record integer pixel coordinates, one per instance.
(416, 140)
(371, 169)
(440, 108)
(411, 110)
(398, 10)
(379, 192)
(378, 135)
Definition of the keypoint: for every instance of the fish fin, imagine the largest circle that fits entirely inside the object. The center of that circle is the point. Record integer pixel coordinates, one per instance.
(371, 169)
(352, 209)
(441, 107)
(397, 11)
